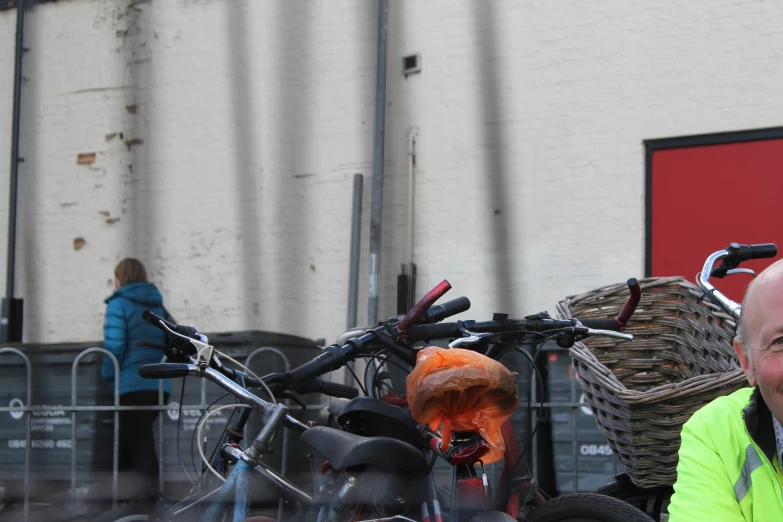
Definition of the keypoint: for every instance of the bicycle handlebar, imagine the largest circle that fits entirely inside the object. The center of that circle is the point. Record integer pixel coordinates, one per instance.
(747, 252)
(630, 305)
(605, 327)
(437, 313)
(333, 389)
(175, 370)
(420, 308)
(736, 254)
(731, 257)
(166, 370)
(332, 358)
(304, 378)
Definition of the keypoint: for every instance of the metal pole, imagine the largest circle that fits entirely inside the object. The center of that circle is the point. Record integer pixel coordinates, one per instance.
(14, 171)
(28, 404)
(161, 482)
(534, 399)
(356, 240)
(574, 442)
(376, 212)
(115, 459)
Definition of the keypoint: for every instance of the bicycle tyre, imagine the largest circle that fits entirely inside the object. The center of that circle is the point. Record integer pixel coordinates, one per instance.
(653, 501)
(586, 507)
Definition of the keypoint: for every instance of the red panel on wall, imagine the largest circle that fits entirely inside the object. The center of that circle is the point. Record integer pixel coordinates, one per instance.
(705, 197)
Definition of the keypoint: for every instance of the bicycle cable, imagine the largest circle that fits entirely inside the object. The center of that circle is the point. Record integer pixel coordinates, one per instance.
(531, 360)
(193, 437)
(179, 429)
(253, 375)
(199, 429)
(356, 378)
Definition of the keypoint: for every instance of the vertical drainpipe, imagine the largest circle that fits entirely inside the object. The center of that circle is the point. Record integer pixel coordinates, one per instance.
(356, 240)
(376, 210)
(11, 310)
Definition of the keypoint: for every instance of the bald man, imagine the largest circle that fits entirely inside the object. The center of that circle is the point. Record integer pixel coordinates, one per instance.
(731, 452)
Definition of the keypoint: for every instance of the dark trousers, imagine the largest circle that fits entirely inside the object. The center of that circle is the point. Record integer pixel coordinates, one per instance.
(138, 462)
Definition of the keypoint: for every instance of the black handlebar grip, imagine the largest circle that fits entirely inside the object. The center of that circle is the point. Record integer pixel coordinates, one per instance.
(332, 358)
(763, 251)
(437, 313)
(333, 389)
(602, 324)
(157, 321)
(739, 253)
(164, 371)
(427, 332)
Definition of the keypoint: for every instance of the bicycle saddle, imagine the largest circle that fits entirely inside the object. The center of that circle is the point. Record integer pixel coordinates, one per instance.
(346, 450)
(372, 417)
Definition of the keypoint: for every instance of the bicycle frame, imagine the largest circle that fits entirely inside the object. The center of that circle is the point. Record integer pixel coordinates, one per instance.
(234, 490)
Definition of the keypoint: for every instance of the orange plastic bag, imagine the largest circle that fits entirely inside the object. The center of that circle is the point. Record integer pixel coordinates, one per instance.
(463, 391)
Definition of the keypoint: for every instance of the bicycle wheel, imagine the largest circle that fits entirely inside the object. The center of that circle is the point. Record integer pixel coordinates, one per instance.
(653, 501)
(586, 507)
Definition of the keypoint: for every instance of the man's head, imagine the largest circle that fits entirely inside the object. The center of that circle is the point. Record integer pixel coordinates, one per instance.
(759, 341)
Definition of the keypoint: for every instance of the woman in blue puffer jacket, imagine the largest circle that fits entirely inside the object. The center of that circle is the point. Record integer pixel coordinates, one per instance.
(123, 328)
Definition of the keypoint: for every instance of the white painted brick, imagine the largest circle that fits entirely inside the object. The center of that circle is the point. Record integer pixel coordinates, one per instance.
(254, 117)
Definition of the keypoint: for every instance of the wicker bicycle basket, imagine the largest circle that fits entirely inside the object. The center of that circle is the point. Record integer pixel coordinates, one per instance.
(641, 392)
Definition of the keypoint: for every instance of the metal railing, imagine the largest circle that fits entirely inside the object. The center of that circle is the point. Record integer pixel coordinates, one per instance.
(574, 406)
(28, 410)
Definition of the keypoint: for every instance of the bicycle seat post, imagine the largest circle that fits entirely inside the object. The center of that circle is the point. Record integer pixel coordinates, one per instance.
(262, 445)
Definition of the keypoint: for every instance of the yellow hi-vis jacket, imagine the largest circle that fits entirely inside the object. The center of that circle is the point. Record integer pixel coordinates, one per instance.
(728, 470)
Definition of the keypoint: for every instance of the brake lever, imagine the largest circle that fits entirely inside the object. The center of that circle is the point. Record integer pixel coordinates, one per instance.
(471, 339)
(465, 341)
(202, 346)
(610, 333)
(741, 271)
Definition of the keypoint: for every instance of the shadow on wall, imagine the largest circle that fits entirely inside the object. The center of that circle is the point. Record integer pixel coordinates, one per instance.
(495, 154)
(139, 187)
(247, 159)
(291, 210)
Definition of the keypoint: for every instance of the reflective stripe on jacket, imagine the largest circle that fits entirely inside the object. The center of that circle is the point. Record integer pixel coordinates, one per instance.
(728, 470)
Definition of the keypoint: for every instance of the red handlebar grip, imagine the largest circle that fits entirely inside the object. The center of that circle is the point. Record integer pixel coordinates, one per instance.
(630, 305)
(415, 313)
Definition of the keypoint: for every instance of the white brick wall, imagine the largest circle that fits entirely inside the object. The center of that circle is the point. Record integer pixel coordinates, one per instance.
(255, 115)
